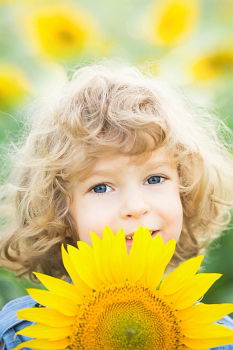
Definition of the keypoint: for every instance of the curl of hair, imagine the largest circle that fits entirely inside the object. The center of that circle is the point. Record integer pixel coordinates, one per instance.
(107, 109)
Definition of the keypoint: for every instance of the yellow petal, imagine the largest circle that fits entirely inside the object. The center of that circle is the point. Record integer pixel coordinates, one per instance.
(61, 304)
(84, 247)
(59, 287)
(159, 262)
(137, 256)
(209, 331)
(72, 272)
(44, 332)
(106, 250)
(176, 279)
(83, 262)
(97, 251)
(193, 290)
(209, 343)
(203, 313)
(188, 348)
(110, 255)
(120, 258)
(69, 267)
(154, 257)
(46, 316)
(44, 344)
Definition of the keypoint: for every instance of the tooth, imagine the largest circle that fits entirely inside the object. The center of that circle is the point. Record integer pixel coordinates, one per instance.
(129, 237)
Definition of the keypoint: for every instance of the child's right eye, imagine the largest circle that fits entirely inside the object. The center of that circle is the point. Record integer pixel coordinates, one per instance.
(101, 188)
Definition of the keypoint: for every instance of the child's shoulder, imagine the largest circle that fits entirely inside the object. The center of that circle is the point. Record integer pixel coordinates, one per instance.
(10, 324)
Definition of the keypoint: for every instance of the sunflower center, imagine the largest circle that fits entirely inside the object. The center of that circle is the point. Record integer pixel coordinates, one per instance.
(126, 317)
(65, 36)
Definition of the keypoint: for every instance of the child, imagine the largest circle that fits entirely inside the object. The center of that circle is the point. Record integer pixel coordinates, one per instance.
(114, 148)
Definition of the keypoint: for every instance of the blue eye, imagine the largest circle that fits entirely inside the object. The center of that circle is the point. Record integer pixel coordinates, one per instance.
(102, 188)
(155, 180)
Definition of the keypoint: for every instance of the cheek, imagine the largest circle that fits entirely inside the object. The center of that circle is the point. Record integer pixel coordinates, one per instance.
(173, 218)
(176, 211)
(90, 216)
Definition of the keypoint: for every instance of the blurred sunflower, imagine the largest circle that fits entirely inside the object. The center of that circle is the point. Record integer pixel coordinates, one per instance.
(212, 65)
(119, 301)
(14, 86)
(172, 21)
(63, 32)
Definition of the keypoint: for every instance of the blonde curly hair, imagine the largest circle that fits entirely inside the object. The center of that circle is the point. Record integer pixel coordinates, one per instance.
(104, 109)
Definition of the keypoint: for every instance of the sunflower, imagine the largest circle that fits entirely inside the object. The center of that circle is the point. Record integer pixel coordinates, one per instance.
(172, 21)
(121, 301)
(14, 86)
(213, 64)
(62, 32)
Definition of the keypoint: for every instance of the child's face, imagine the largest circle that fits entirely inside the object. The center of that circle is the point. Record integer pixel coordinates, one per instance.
(121, 194)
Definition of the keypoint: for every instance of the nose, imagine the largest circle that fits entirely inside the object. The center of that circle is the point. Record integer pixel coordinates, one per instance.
(133, 205)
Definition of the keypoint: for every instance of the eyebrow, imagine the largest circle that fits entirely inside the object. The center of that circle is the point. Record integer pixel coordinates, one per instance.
(102, 172)
(110, 171)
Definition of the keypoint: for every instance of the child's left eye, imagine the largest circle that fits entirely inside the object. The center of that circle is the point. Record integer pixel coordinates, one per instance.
(101, 188)
(155, 179)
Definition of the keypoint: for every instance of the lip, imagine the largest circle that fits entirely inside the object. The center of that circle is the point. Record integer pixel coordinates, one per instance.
(129, 242)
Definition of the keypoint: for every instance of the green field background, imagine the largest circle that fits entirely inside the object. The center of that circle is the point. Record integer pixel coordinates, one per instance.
(187, 43)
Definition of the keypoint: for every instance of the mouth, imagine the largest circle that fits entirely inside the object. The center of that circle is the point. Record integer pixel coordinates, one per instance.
(129, 236)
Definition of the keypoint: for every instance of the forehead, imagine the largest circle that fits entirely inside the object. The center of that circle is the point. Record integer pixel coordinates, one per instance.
(159, 157)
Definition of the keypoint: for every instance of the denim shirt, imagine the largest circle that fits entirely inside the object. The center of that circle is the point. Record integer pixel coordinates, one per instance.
(9, 324)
